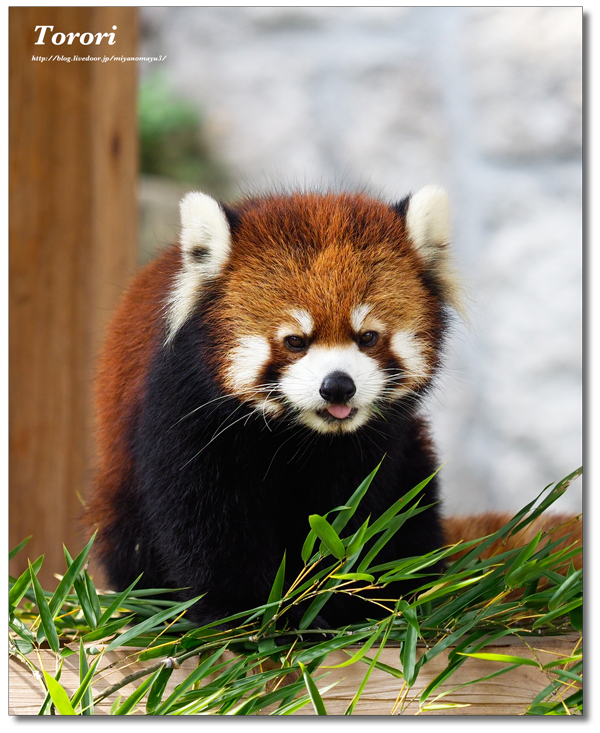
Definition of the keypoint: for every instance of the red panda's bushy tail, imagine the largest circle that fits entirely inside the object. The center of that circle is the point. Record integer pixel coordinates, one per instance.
(471, 527)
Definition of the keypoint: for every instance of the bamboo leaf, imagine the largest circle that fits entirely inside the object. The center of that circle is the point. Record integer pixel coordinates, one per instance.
(576, 618)
(359, 654)
(164, 649)
(117, 603)
(445, 589)
(245, 706)
(357, 541)
(19, 628)
(327, 535)
(102, 632)
(512, 578)
(383, 521)
(437, 681)
(562, 660)
(565, 590)
(393, 525)
(92, 595)
(135, 697)
(508, 658)
(307, 547)
(25, 647)
(21, 585)
(59, 695)
(331, 645)
(451, 639)
(555, 493)
(201, 671)
(354, 576)
(150, 623)
(560, 611)
(246, 616)
(350, 709)
(82, 594)
(87, 701)
(275, 594)
(293, 706)
(446, 705)
(197, 706)
(409, 647)
(84, 693)
(479, 547)
(66, 583)
(47, 707)
(315, 607)
(289, 694)
(158, 688)
(19, 547)
(342, 519)
(566, 674)
(479, 639)
(47, 624)
(313, 692)
(452, 607)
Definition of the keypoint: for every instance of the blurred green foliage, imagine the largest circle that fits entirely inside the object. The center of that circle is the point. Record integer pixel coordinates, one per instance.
(172, 140)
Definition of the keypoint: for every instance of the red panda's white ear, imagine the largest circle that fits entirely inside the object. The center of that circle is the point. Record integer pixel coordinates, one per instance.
(205, 247)
(205, 234)
(428, 227)
(428, 222)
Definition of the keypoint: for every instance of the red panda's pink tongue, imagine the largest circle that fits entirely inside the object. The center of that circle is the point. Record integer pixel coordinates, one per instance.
(339, 411)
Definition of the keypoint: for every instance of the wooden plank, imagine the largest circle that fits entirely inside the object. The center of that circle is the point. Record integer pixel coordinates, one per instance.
(73, 244)
(508, 694)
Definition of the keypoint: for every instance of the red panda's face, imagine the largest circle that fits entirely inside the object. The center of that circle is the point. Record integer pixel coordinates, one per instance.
(324, 310)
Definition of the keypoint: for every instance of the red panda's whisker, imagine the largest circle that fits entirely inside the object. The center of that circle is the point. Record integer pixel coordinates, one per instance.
(287, 440)
(245, 392)
(200, 407)
(214, 437)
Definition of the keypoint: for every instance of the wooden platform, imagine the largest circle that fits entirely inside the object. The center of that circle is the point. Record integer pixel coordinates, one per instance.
(507, 694)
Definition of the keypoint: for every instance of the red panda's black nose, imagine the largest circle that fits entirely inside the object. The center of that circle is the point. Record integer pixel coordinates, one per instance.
(337, 388)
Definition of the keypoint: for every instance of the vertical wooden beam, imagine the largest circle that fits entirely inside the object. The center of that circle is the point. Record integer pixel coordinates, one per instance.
(73, 244)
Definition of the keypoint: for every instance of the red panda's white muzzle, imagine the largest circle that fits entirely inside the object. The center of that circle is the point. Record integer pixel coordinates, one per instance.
(333, 388)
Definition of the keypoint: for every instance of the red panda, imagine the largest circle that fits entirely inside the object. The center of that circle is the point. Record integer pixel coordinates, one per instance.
(254, 374)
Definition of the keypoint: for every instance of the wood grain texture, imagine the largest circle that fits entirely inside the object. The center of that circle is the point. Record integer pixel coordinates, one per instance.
(73, 243)
(507, 694)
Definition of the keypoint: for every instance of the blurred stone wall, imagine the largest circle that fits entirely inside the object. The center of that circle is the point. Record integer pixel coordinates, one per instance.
(485, 101)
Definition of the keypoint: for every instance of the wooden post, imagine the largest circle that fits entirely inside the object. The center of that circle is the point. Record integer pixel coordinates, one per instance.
(73, 244)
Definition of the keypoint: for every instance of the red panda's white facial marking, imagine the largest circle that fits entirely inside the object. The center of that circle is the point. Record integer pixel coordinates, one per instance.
(333, 388)
(300, 324)
(358, 316)
(410, 351)
(246, 362)
(304, 320)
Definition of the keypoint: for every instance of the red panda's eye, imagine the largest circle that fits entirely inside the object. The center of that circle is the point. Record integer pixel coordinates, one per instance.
(295, 343)
(368, 338)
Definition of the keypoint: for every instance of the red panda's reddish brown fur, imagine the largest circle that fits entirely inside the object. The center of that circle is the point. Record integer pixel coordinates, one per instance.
(134, 335)
(474, 526)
